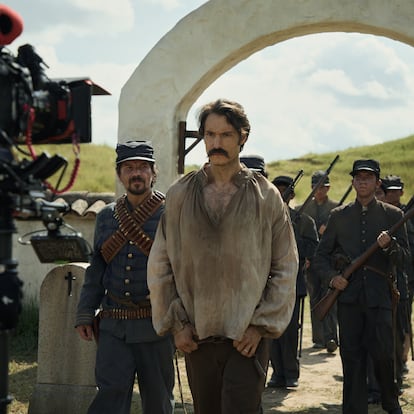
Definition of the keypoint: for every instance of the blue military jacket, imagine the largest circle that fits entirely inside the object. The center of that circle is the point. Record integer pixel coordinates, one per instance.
(125, 277)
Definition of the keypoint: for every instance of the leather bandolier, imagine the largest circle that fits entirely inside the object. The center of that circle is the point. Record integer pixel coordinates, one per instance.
(130, 229)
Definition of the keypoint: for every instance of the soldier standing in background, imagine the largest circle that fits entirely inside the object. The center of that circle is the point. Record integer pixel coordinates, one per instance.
(368, 298)
(324, 333)
(284, 350)
(394, 190)
(255, 163)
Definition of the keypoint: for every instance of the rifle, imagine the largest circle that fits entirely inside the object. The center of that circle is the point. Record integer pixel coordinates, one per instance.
(407, 207)
(317, 186)
(348, 190)
(323, 306)
(410, 328)
(289, 190)
(409, 204)
(301, 317)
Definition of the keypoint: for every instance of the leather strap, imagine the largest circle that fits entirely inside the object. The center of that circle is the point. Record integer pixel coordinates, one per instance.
(130, 226)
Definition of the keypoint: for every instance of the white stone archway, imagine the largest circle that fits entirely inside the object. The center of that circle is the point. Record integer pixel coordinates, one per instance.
(217, 36)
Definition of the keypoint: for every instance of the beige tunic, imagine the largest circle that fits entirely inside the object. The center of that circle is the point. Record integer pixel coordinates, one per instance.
(225, 274)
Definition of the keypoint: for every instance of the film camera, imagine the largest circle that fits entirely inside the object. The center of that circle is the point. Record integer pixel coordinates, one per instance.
(36, 110)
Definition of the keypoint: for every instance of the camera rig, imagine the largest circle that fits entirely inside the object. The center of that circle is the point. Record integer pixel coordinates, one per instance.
(35, 110)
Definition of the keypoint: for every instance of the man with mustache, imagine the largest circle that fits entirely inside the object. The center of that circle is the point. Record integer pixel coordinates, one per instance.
(116, 282)
(222, 269)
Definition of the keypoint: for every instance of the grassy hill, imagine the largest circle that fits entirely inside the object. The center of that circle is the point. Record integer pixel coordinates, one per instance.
(96, 173)
(395, 157)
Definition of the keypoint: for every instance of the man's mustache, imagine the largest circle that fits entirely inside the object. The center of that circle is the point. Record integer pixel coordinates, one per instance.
(218, 151)
(136, 180)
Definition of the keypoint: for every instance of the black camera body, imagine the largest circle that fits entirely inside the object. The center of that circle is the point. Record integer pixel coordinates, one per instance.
(36, 110)
(51, 110)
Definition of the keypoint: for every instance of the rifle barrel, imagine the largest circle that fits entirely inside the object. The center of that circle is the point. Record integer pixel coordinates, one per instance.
(325, 304)
(316, 187)
(292, 186)
(348, 190)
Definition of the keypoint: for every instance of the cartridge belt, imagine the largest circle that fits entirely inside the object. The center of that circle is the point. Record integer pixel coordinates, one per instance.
(126, 314)
(130, 223)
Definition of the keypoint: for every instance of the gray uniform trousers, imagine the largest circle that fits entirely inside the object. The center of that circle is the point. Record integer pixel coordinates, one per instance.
(150, 362)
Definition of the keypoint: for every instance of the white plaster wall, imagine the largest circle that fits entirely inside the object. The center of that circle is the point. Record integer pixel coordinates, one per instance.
(217, 36)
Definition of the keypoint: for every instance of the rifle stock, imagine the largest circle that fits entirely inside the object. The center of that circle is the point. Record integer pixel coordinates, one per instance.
(324, 305)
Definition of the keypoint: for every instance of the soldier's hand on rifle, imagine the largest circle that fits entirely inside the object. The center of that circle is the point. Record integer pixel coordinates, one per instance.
(338, 282)
(384, 239)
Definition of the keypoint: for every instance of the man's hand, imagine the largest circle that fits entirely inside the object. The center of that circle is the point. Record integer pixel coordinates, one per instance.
(184, 339)
(338, 282)
(249, 342)
(383, 240)
(85, 332)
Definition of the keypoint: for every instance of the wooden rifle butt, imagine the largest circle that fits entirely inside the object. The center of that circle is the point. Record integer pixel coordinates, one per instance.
(325, 304)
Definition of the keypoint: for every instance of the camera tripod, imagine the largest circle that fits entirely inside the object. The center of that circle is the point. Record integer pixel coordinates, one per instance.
(10, 294)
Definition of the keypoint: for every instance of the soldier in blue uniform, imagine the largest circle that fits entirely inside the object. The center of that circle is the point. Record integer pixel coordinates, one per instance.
(116, 283)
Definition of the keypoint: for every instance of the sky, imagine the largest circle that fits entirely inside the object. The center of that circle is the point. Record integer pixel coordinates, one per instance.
(312, 94)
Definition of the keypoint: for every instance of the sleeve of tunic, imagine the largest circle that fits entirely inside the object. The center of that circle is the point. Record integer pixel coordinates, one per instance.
(92, 289)
(168, 313)
(274, 311)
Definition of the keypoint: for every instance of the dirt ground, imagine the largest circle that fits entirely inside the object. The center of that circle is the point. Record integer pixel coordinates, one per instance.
(320, 386)
(319, 390)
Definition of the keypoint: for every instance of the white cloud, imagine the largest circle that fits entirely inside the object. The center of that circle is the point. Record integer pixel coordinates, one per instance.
(335, 79)
(166, 4)
(321, 93)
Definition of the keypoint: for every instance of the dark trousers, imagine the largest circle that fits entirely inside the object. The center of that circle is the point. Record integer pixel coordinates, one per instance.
(117, 364)
(284, 350)
(222, 381)
(364, 331)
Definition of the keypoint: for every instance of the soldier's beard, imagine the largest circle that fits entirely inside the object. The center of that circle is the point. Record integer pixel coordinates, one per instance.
(133, 189)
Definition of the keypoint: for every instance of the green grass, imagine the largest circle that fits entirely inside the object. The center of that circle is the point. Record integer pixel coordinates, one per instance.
(96, 169)
(23, 340)
(97, 172)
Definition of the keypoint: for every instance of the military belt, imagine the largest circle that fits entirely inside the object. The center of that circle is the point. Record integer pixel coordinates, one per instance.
(126, 314)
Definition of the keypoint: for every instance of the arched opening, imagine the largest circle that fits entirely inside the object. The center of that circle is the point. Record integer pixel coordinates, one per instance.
(201, 47)
(306, 93)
